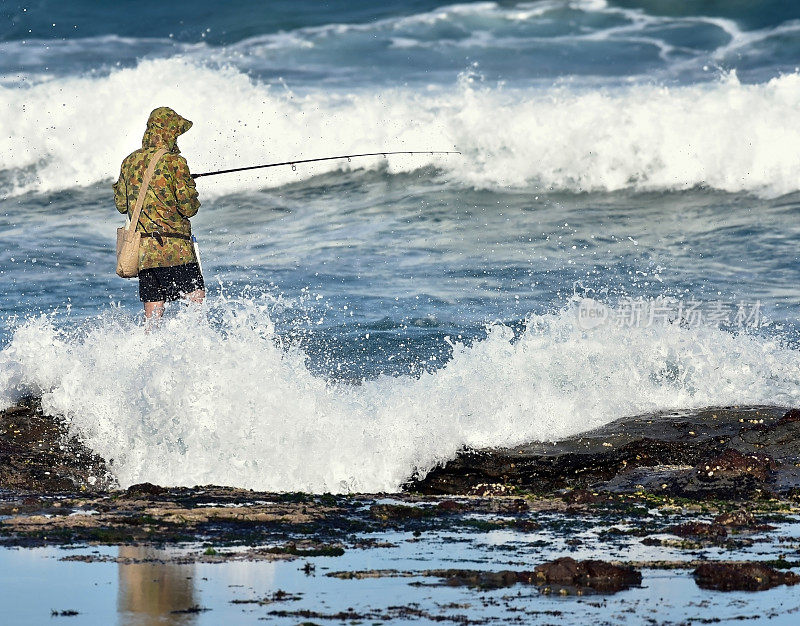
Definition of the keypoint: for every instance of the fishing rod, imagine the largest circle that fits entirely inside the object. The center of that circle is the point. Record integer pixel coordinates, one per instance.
(331, 158)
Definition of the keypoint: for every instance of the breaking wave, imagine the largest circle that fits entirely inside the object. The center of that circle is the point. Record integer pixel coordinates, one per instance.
(74, 131)
(227, 403)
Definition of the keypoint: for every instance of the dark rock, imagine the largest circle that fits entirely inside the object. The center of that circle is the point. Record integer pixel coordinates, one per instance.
(547, 473)
(654, 479)
(192, 609)
(699, 529)
(649, 452)
(735, 519)
(596, 575)
(38, 454)
(507, 506)
(526, 525)
(741, 577)
(741, 520)
(398, 512)
(450, 506)
(731, 475)
(779, 439)
(565, 573)
(732, 463)
(792, 415)
(482, 579)
(145, 489)
(583, 496)
(653, 541)
(489, 489)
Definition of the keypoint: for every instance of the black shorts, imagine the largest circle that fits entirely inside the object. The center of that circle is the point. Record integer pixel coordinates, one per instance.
(157, 284)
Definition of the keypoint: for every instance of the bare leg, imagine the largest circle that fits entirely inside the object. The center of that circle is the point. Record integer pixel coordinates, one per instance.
(153, 312)
(196, 296)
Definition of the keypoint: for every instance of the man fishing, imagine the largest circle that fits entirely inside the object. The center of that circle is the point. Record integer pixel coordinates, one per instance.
(168, 267)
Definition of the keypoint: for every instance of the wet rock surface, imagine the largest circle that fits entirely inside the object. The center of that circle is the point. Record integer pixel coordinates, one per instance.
(38, 455)
(699, 529)
(565, 576)
(742, 577)
(741, 520)
(481, 579)
(730, 474)
(592, 574)
(684, 487)
(225, 515)
(471, 560)
(729, 452)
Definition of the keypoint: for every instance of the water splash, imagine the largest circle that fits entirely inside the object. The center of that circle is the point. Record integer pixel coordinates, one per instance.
(227, 402)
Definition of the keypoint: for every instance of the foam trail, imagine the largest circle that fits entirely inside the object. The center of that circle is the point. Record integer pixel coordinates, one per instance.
(197, 404)
(726, 135)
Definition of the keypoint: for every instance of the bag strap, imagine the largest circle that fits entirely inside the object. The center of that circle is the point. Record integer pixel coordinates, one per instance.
(148, 176)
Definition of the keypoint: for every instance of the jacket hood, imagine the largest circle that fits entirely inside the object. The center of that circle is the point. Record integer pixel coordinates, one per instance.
(163, 128)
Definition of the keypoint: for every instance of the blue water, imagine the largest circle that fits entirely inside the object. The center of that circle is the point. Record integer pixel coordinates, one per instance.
(396, 42)
(615, 151)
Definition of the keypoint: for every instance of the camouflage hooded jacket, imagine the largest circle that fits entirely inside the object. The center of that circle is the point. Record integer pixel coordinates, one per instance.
(171, 197)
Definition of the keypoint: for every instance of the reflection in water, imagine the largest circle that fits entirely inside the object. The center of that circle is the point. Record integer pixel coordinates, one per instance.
(150, 592)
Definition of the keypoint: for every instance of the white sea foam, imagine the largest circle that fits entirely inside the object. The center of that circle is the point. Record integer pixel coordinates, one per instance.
(196, 404)
(71, 132)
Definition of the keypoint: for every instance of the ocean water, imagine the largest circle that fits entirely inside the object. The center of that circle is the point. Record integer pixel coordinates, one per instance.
(619, 234)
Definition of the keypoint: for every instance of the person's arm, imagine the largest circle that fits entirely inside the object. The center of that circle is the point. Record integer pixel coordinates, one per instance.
(121, 193)
(183, 185)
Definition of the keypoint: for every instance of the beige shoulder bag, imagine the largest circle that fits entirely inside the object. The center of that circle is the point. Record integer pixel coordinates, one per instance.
(128, 239)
